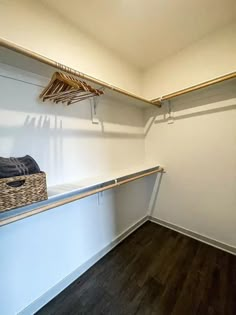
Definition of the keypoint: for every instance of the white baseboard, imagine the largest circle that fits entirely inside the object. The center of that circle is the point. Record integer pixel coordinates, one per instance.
(202, 238)
(59, 287)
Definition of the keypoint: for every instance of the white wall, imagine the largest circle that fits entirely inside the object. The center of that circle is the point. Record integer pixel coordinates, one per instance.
(30, 24)
(68, 147)
(198, 150)
(198, 192)
(39, 252)
(63, 138)
(211, 57)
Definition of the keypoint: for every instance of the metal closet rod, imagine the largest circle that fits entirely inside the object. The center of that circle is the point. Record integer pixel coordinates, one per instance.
(78, 196)
(7, 44)
(195, 87)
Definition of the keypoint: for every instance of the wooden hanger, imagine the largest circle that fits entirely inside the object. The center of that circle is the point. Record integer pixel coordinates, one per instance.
(65, 88)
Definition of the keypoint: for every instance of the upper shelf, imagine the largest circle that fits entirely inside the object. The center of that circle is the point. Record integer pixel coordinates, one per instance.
(203, 85)
(25, 59)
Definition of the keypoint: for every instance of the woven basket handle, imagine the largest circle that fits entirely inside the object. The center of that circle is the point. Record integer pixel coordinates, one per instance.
(20, 183)
(9, 182)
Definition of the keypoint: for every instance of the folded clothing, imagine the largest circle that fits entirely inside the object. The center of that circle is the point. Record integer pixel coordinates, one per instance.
(11, 167)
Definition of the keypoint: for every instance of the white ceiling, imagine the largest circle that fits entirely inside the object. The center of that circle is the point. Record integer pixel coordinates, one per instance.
(145, 31)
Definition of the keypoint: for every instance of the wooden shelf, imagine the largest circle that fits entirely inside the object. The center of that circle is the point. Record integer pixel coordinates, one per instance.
(62, 194)
(27, 60)
(203, 85)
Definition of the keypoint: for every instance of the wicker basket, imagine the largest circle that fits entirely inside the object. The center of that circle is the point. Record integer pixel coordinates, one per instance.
(31, 188)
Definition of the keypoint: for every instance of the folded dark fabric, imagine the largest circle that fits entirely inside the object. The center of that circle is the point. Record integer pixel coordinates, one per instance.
(10, 167)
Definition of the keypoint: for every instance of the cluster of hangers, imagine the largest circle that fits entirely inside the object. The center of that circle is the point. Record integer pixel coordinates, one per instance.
(67, 89)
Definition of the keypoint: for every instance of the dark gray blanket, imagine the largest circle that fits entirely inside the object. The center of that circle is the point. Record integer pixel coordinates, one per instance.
(11, 167)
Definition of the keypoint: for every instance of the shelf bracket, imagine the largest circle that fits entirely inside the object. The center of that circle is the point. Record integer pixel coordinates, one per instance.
(100, 198)
(170, 115)
(94, 106)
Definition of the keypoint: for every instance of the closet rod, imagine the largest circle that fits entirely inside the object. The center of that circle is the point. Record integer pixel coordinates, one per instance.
(195, 87)
(28, 53)
(74, 198)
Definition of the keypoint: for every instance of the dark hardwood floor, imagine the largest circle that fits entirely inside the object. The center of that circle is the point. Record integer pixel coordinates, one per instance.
(154, 271)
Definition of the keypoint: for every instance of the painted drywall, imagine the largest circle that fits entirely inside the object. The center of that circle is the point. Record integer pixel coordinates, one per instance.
(40, 29)
(211, 57)
(39, 252)
(198, 151)
(63, 138)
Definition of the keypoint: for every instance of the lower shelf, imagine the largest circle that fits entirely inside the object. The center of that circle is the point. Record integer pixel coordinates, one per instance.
(66, 193)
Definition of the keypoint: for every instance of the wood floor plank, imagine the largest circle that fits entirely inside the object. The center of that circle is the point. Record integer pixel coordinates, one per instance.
(154, 271)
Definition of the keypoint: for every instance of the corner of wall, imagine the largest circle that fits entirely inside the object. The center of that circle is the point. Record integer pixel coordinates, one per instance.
(206, 59)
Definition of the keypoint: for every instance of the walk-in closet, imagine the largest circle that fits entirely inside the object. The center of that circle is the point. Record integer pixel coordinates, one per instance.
(117, 157)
